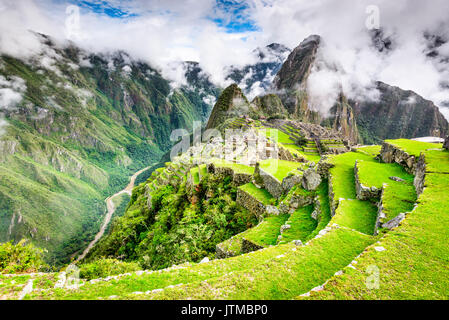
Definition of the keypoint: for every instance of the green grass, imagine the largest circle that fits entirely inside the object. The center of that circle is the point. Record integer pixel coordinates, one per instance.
(398, 197)
(279, 168)
(357, 215)
(267, 232)
(261, 195)
(237, 167)
(283, 277)
(437, 161)
(195, 175)
(186, 273)
(372, 174)
(413, 148)
(302, 225)
(415, 262)
(343, 180)
(370, 150)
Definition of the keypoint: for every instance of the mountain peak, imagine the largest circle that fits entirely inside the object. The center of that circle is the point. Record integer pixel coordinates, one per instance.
(298, 64)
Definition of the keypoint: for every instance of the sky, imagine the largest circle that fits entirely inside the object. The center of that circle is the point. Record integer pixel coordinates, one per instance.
(225, 32)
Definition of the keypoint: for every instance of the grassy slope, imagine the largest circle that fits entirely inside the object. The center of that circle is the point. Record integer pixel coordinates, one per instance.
(415, 262)
(278, 168)
(398, 197)
(302, 224)
(260, 194)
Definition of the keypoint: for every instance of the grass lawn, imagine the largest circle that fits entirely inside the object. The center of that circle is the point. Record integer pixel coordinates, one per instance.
(260, 194)
(195, 175)
(160, 279)
(413, 147)
(357, 215)
(283, 277)
(343, 180)
(279, 168)
(370, 150)
(302, 225)
(374, 174)
(237, 167)
(264, 234)
(267, 232)
(398, 197)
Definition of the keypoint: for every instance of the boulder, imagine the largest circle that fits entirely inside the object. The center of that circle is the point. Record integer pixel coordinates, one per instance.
(204, 260)
(285, 227)
(420, 175)
(297, 242)
(396, 179)
(311, 180)
(393, 223)
(272, 211)
(291, 180)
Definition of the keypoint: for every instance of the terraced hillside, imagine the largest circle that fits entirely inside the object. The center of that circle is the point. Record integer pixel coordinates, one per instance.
(316, 230)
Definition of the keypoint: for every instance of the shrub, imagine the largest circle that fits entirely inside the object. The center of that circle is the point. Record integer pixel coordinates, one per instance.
(20, 257)
(106, 267)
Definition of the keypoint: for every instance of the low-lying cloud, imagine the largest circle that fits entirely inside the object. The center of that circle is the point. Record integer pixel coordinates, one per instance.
(166, 32)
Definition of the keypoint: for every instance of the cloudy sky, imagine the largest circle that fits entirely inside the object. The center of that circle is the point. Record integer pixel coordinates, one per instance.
(218, 33)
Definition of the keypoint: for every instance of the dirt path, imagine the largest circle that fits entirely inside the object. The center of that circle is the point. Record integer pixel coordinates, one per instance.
(111, 209)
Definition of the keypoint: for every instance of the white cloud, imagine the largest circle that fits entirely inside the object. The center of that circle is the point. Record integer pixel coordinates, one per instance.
(11, 91)
(3, 125)
(165, 32)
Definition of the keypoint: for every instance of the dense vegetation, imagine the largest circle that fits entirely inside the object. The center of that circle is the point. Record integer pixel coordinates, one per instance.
(21, 257)
(176, 229)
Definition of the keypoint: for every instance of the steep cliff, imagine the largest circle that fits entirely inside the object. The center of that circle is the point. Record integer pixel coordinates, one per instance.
(398, 114)
(231, 103)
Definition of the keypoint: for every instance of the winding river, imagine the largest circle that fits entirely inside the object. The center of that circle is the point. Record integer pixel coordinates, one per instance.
(110, 211)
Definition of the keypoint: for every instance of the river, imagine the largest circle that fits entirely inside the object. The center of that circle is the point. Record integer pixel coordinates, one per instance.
(110, 211)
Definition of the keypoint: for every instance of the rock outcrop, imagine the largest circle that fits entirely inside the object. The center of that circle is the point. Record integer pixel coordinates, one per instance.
(396, 114)
(311, 180)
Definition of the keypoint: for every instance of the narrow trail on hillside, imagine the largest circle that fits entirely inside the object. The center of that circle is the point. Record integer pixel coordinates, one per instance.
(110, 211)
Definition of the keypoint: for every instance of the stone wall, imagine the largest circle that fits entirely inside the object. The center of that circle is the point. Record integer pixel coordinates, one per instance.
(446, 143)
(364, 192)
(333, 203)
(390, 154)
(272, 184)
(249, 246)
(240, 179)
(250, 203)
(323, 168)
(420, 175)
